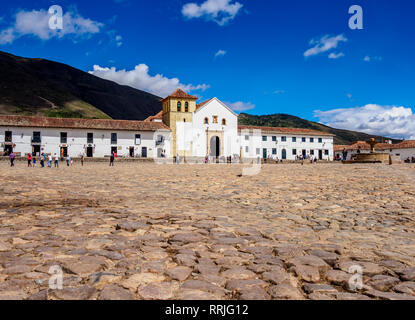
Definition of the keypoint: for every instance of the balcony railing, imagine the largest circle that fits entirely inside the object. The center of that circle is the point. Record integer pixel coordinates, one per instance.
(8, 139)
(36, 140)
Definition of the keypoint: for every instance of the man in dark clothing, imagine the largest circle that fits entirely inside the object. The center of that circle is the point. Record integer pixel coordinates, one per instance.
(12, 157)
(112, 160)
(344, 155)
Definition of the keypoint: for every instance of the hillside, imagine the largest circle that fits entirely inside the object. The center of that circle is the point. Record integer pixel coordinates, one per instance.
(283, 120)
(42, 87)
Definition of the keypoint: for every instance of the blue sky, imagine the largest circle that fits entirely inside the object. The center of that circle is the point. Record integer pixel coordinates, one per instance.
(257, 55)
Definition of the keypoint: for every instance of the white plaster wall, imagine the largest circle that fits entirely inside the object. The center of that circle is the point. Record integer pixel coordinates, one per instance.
(404, 153)
(77, 141)
(289, 145)
(231, 143)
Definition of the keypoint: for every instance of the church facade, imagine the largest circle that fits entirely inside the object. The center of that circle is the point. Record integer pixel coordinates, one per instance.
(183, 128)
(211, 129)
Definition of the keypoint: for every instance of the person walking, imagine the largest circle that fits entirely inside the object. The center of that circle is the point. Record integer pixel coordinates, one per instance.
(34, 162)
(12, 157)
(82, 160)
(344, 154)
(50, 161)
(29, 160)
(56, 161)
(42, 160)
(68, 160)
(112, 160)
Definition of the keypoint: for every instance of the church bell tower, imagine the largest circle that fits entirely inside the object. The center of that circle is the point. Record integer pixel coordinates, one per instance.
(178, 107)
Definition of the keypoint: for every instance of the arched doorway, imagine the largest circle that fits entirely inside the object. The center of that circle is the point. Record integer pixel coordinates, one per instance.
(284, 154)
(215, 146)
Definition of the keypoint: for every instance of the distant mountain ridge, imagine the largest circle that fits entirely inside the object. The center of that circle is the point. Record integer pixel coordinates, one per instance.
(47, 88)
(38, 87)
(342, 137)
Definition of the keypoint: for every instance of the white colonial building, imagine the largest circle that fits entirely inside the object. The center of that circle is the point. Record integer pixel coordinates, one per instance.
(76, 137)
(181, 129)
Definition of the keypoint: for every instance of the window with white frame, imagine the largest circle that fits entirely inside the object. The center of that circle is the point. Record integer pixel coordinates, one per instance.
(138, 139)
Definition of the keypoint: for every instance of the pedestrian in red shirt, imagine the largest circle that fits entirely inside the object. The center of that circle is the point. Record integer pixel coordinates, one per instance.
(29, 160)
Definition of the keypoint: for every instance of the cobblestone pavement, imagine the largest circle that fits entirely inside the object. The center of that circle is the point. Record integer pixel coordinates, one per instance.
(147, 231)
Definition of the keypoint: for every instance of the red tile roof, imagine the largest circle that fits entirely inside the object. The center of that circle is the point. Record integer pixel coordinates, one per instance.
(340, 147)
(179, 93)
(380, 146)
(158, 116)
(298, 131)
(406, 144)
(41, 122)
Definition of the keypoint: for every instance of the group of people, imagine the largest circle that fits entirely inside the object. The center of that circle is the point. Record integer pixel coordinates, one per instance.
(49, 159)
(43, 160)
(310, 157)
(52, 161)
(410, 160)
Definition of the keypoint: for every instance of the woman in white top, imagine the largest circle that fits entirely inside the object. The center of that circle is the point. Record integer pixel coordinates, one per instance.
(56, 161)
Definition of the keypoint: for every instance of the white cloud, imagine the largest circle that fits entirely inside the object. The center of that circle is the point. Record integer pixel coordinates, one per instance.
(240, 106)
(389, 121)
(336, 55)
(115, 38)
(140, 78)
(220, 53)
(368, 59)
(7, 36)
(220, 11)
(36, 23)
(279, 91)
(326, 43)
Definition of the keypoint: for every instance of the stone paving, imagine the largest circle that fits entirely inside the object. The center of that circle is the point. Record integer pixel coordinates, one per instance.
(147, 231)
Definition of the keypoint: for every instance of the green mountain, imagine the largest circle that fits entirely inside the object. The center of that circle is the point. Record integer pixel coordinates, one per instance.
(47, 88)
(345, 137)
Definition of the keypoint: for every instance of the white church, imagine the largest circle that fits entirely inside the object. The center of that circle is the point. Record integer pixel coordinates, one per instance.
(182, 129)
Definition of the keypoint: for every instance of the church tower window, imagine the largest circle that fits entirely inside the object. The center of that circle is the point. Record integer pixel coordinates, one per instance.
(224, 122)
(186, 107)
(179, 106)
(206, 121)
